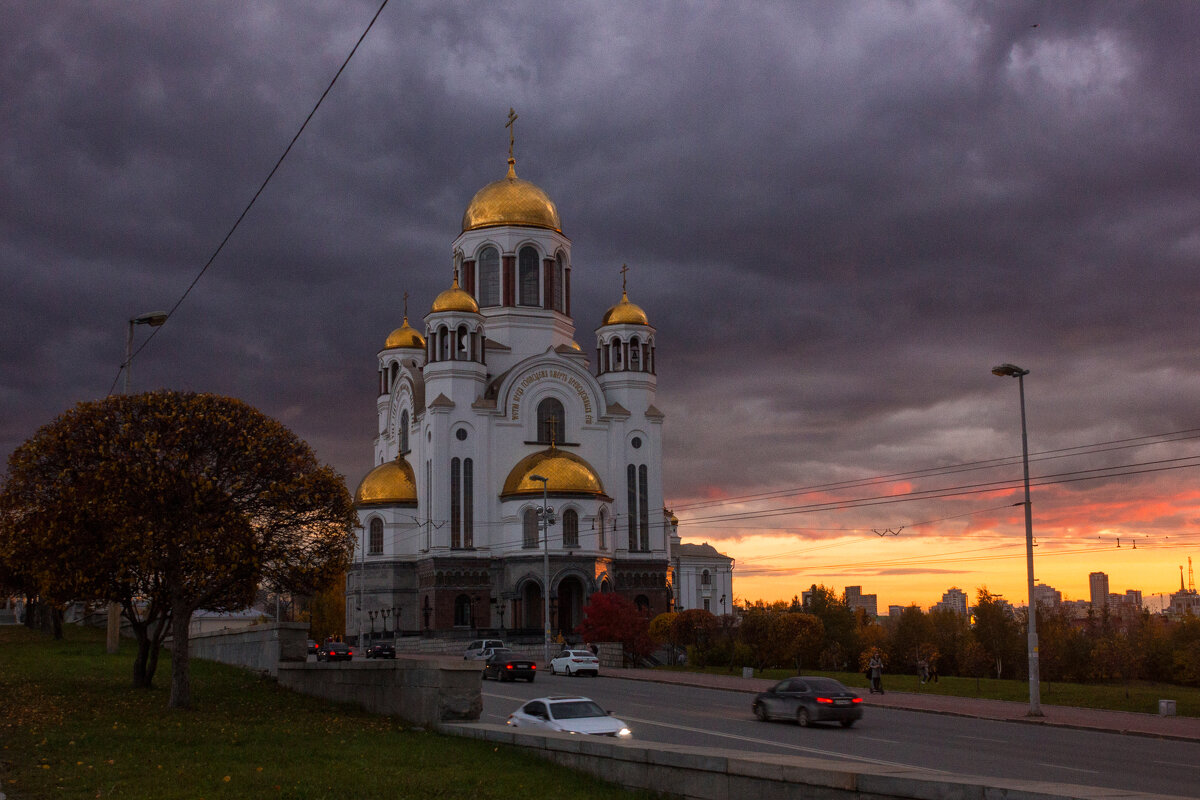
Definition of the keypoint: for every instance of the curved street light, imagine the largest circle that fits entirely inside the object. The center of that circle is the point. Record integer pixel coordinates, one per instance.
(545, 566)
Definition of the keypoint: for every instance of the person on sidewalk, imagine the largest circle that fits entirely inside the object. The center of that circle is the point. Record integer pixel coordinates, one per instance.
(923, 670)
(875, 667)
(933, 676)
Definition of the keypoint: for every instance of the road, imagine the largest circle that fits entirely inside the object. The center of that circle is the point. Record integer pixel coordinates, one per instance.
(721, 719)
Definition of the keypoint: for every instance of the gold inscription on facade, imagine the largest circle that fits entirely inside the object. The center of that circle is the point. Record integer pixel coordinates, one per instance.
(552, 375)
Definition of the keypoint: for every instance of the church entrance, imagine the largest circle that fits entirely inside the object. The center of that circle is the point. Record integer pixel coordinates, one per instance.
(531, 606)
(570, 605)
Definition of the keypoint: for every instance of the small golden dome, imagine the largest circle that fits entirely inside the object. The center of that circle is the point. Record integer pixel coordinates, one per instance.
(405, 336)
(625, 313)
(454, 299)
(390, 483)
(567, 473)
(511, 201)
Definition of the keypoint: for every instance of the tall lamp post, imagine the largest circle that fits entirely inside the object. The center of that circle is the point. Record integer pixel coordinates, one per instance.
(153, 319)
(545, 515)
(1035, 689)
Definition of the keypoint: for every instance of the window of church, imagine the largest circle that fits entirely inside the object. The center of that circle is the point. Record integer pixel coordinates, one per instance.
(375, 546)
(635, 361)
(644, 508)
(551, 421)
(489, 277)
(631, 496)
(529, 529)
(462, 611)
(455, 503)
(570, 528)
(601, 521)
(705, 578)
(468, 503)
(527, 276)
(404, 431)
(559, 284)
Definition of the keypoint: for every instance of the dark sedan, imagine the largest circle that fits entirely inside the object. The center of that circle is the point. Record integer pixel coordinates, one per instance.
(381, 651)
(334, 651)
(808, 700)
(504, 665)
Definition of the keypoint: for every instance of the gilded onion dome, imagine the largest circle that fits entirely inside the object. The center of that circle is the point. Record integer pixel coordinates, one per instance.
(405, 336)
(625, 313)
(511, 201)
(391, 483)
(567, 474)
(454, 299)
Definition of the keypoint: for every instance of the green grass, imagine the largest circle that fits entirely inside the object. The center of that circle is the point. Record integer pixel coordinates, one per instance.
(1140, 696)
(73, 728)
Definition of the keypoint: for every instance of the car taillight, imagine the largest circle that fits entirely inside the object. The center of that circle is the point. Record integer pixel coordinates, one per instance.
(533, 666)
(508, 666)
(856, 700)
(349, 652)
(825, 700)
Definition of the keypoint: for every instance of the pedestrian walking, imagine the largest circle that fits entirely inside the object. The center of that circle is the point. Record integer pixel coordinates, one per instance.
(875, 667)
(933, 676)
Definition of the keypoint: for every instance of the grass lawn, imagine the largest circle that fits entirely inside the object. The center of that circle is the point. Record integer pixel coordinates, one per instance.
(1136, 696)
(73, 728)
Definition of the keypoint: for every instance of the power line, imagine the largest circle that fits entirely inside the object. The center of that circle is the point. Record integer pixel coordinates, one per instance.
(253, 199)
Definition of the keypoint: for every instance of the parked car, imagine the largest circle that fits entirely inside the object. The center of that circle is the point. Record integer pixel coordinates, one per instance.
(381, 650)
(806, 700)
(334, 651)
(575, 662)
(312, 647)
(568, 715)
(476, 649)
(505, 665)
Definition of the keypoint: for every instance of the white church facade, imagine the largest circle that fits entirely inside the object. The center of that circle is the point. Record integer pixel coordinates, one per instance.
(492, 405)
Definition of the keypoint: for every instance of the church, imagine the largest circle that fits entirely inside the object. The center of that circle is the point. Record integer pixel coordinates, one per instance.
(491, 411)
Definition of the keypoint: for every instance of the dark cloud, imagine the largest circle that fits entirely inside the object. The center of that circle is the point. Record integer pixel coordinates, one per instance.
(839, 217)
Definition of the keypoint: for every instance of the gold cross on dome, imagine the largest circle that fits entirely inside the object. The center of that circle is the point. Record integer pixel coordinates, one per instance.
(624, 270)
(406, 305)
(512, 118)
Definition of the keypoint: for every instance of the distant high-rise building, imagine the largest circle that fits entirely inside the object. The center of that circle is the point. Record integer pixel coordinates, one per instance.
(1098, 581)
(1134, 597)
(954, 599)
(867, 602)
(1045, 595)
(894, 612)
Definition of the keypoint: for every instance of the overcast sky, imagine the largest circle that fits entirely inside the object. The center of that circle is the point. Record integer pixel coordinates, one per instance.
(838, 216)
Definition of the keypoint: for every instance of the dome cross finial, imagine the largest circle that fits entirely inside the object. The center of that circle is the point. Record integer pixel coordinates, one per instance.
(406, 306)
(512, 118)
(624, 272)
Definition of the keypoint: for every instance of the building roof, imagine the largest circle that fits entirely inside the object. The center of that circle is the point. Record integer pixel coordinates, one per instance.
(705, 550)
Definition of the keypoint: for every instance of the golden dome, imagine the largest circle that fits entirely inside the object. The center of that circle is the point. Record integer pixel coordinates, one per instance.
(567, 473)
(625, 313)
(405, 336)
(511, 201)
(454, 299)
(390, 483)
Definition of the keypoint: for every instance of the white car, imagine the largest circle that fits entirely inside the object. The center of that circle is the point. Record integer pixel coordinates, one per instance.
(480, 649)
(568, 715)
(574, 662)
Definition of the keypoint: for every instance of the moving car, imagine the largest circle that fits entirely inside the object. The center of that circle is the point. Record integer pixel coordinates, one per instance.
(334, 651)
(575, 662)
(312, 647)
(476, 649)
(568, 715)
(809, 699)
(381, 650)
(505, 665)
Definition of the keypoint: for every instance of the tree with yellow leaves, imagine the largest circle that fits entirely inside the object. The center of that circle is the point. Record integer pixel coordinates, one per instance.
(167, 503)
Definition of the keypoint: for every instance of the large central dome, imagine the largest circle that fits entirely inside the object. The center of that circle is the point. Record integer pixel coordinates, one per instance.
(511, 201)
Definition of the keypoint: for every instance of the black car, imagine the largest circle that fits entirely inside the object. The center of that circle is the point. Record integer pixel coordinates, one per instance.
(504, 665)
(334, 651)
(381, 651)
(808, 700)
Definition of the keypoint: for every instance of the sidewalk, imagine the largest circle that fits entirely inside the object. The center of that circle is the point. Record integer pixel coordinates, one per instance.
(1183, 728)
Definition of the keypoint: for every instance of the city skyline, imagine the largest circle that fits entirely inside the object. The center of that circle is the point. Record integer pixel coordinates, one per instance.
(838, 220)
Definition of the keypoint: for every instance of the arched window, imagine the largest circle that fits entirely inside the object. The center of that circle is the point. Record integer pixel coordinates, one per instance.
(529, 529)
(635, 355)
(705, 578)
(468, 505)
(631, 497)
(560, 286)
(489, 277)
(551, 421)
(462, 611)
(375, 547)
(404, 431)
(601, 521)
(527, 276)
(644, 508)
(462, 344)
(570, 528)
(455, 503)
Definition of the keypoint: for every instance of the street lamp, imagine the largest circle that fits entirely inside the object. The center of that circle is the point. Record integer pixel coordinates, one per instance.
(153, 319)
(1035, 689)
(545, 515)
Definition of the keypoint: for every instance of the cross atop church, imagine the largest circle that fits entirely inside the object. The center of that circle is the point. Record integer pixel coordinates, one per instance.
(406, 305)
(624, 271)
(512, 118)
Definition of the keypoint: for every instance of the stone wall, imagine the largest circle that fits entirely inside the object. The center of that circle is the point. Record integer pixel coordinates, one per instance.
(258, 647)
(425, 690)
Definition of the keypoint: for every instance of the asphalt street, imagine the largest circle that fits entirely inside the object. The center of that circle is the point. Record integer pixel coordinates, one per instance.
(717, 718)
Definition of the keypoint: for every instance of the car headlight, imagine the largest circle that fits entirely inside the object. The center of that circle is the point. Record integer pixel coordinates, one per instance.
(624, 732)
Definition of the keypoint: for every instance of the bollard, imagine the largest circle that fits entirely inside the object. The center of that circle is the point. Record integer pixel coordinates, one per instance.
(747, 672)
(1166, 708)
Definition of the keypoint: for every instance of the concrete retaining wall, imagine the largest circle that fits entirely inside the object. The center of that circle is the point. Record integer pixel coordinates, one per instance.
(258, 647)
(424, 690)
(698, 773)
